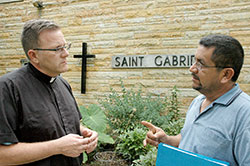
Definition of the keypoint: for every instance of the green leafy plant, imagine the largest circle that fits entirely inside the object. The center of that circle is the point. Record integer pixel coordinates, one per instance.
(173, 127)
(126, 109)
(175, 121)
(94, 118)
(147, 160)
(130, 144)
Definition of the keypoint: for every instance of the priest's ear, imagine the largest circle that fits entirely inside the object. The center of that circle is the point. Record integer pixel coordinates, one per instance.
(32, 54)
(227, 74)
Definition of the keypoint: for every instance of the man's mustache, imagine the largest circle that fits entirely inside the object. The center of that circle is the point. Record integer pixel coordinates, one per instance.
(195, 76)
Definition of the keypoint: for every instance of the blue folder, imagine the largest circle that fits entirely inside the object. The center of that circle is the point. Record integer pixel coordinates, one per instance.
(171, 156)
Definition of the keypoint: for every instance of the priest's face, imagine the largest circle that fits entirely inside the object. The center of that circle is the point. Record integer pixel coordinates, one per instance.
(53, 60)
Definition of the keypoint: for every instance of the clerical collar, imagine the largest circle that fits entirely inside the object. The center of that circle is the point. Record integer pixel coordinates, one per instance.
(52, 79)
(41, 76)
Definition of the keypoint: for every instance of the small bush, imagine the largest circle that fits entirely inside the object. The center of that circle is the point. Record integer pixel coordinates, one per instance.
(126, 109)
(130, 144)
(147, 160)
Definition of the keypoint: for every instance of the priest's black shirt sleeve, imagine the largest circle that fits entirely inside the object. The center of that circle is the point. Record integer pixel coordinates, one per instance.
(34, 108)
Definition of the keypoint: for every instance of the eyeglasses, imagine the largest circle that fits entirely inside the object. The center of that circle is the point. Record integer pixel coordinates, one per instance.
(199, 66)
(57, 50)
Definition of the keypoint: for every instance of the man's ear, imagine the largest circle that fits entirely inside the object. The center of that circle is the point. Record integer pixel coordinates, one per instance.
(227, 74)
(33, 56)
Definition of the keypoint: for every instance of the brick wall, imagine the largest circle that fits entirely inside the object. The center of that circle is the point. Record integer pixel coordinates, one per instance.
(129, 27)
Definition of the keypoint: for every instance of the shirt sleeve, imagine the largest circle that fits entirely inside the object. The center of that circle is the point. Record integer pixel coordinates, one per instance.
(8, 114)
(7, 143)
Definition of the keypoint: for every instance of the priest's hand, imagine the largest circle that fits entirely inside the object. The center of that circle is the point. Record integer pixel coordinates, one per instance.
(92, 137)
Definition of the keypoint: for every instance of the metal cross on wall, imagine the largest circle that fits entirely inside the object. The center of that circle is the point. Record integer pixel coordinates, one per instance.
(84, 57)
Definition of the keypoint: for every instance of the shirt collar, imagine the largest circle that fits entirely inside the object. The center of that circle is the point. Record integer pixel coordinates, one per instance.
(225, 99)
(228, 97)
(41, 76)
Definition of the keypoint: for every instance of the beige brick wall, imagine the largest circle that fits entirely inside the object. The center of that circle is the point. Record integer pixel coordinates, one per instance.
(129, 27)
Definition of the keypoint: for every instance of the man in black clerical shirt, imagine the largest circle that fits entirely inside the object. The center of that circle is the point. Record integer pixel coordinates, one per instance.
(39, 117)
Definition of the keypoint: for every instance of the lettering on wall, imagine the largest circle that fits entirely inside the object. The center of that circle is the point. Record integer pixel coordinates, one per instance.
(9, 1)
(152, 61)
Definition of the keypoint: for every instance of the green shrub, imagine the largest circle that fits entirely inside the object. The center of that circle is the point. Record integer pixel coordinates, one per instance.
(127, 109)
(173, 127)
(130, 144)
(147, 160)
(94, 118)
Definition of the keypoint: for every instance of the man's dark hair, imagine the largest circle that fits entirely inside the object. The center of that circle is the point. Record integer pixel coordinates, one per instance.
(228, 52)
(31, 32)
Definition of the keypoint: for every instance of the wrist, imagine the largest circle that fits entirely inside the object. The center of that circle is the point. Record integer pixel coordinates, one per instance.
(54, 147)
(165, 139)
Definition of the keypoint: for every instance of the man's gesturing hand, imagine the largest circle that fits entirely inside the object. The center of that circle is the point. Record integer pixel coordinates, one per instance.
(154, 136)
